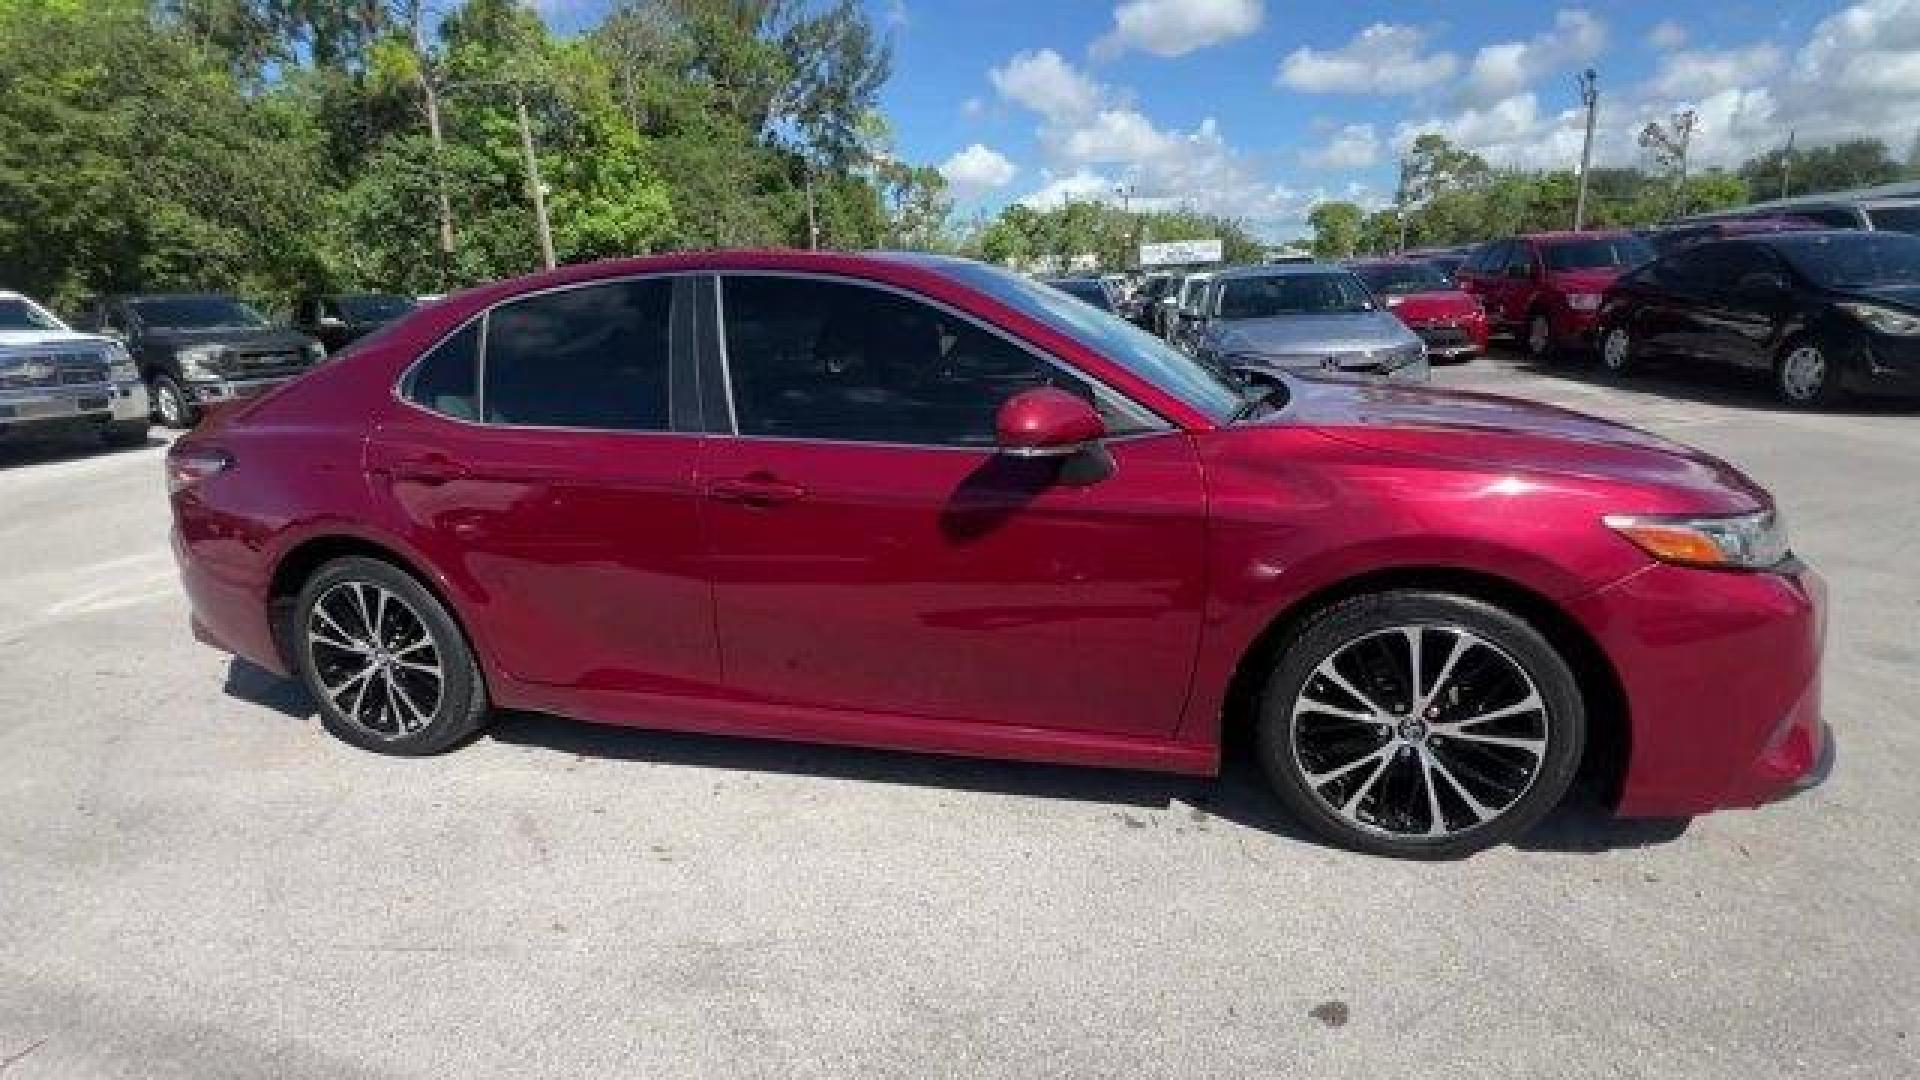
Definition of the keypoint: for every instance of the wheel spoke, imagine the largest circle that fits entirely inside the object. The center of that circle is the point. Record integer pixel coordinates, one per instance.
(1352, 805)
(1446, 672)
(1531, 703)
(1315, 705)
(335, 643)
(334, 691)
(1332, 675)
(1436, 818)
(1432, 763)
(380, 617)
(1533, 746)
(412, 706)
(1328, 777)
(1413, 635)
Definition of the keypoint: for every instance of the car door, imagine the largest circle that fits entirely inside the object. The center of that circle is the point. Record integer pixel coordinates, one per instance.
(1519, 278)
(1484, 277)
(542, 457)
(871, 551)
(1655, 293)
(1738, 313)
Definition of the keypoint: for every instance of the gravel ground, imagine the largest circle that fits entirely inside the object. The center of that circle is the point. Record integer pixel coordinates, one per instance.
(196, 882)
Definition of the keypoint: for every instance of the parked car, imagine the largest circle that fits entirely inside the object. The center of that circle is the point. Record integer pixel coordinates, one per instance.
(1671, 238)
(1449, 321)
(1883, 208)
(198, 348)
(1086, 290)
(1826, 314)
(337, 320)
(922, 503)
(1188, 310)
(53, 379)
(1152, 301)
(1544, 288)
(1446, 260)
(1304, 317)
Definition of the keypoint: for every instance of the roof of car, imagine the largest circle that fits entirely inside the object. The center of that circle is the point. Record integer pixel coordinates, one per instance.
(1804, 236)
(1280, 270)
(1564, 235)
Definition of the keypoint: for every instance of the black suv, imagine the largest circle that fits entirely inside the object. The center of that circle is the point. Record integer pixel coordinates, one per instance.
(1825, 313)
(194, 348)
(339, 319)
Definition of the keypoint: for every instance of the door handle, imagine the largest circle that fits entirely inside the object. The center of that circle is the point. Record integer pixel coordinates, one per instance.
(432, 470)
(755, 491)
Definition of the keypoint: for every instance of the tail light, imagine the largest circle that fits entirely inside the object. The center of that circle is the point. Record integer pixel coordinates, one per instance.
(188, 465)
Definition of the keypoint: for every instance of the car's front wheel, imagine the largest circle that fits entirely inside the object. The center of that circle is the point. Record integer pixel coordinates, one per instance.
(1805, 377)
(1420, 724)
(386, 662)
(1618, 351)
(1539, 339)
(171, 405)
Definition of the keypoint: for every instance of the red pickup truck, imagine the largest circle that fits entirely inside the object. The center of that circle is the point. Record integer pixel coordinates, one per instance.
(1544, 288)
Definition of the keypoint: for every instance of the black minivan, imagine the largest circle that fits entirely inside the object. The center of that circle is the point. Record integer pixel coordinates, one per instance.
(1825, 314)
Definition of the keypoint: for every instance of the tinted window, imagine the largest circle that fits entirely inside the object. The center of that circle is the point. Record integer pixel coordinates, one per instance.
(593, 357)
(1084, 290)
(1900, 217)
(18, 314)
(1398, 279)
(1291, 294)
(373, 308)
(814, 359)
(194, 313)
(1519, 260)
(445, 379)
(1599, 253)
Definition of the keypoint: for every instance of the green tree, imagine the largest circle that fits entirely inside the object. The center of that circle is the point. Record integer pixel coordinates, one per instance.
(1336, 229)
(1837, 166)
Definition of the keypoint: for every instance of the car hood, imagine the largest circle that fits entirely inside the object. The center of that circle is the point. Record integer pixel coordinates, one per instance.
(1332, 332)
(1434, 304)
(14, 339)
(1507, 433)
(264, 338)
(1594, 279)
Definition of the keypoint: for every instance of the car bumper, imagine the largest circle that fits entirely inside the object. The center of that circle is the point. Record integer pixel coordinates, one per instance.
(1721, 677)
(1452, 340)
(208, 391)
(72, 406)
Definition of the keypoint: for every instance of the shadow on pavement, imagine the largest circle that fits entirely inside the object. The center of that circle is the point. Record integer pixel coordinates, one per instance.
(19, 451)
(257, 686)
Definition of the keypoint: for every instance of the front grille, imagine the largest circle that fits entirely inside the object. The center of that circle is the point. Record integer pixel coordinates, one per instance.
(1443, 337)
(30, 371)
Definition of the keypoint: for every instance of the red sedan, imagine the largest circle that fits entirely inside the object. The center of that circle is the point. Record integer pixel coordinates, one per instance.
(922, 503)
(1449, 320)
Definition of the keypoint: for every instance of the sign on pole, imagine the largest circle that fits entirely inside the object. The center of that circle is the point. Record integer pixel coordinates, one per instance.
(1178, 252)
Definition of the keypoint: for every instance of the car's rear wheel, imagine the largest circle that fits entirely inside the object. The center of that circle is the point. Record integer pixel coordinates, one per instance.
(1618, 351)
(171, 405)
(1420, 724)
(390, 668)
(1805, 376)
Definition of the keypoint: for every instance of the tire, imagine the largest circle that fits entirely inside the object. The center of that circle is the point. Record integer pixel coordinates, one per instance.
(1538, 339)
(171, 405)
(1619, 353)
(1801, 388)
(1368, 778)
(378, 696)
(123, 434)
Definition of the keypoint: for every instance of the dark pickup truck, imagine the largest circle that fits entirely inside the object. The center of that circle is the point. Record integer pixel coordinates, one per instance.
(340, 319)
(197, 348)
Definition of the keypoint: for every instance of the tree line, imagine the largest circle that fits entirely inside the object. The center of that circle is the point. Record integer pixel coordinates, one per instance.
(276, 146)
(1448, 195)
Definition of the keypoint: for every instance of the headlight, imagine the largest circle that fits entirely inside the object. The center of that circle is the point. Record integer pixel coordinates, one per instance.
(1740, 542)
(120, 365)
(316, 352)
(1885, 320)
(1584, 301)
(196, 362)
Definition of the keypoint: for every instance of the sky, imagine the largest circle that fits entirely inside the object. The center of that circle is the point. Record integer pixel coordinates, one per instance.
(1260, 108)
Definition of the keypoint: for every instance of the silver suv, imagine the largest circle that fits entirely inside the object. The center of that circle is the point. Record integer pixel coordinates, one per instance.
(53, 379)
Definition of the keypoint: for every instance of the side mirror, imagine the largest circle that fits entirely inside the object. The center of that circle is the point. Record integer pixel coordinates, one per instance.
(1046, 422)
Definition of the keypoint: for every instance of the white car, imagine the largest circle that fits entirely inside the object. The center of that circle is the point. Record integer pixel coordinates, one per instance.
(53, 378)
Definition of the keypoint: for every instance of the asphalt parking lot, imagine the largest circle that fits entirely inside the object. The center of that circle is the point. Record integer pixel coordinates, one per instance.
(197, 882)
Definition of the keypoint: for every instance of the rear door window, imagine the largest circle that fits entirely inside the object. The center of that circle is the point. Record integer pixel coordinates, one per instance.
(594, 357)
(447, 379)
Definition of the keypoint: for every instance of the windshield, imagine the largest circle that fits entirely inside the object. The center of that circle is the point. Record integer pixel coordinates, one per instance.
(19, 313)
(1896, 217)
(1615, 251)
(1117, 340)
(1292, 294)
(195, 313)
(1399, 279)
(1085, 291)
(375, 308)
(1854, 260)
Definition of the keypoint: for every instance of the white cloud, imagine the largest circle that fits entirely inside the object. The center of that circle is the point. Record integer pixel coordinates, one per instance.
(1506, 68)
(973, 108)
(1510, 132)
(1385, 58)
(1703, 73)
(896, 13)
(1079, 185)
(1354, 146)
(1177, 27)
(1044, 82)
(1667, 34)
(977, 170)
(1115, 135)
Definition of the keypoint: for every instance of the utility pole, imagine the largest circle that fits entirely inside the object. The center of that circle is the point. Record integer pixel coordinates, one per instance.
(1786, 164)
(813, 221)
(1400, 206)
(534, 186)
(432, 96)
(1590, 97)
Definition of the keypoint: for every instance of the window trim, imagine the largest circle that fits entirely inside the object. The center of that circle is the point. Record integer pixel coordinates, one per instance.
(1156, 424)
(484, 317)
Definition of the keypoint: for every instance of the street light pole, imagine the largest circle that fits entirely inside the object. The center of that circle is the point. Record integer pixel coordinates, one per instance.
(1590, 97)
(533, 180)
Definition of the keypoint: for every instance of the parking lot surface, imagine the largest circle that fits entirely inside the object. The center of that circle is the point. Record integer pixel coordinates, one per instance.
(196, 881)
